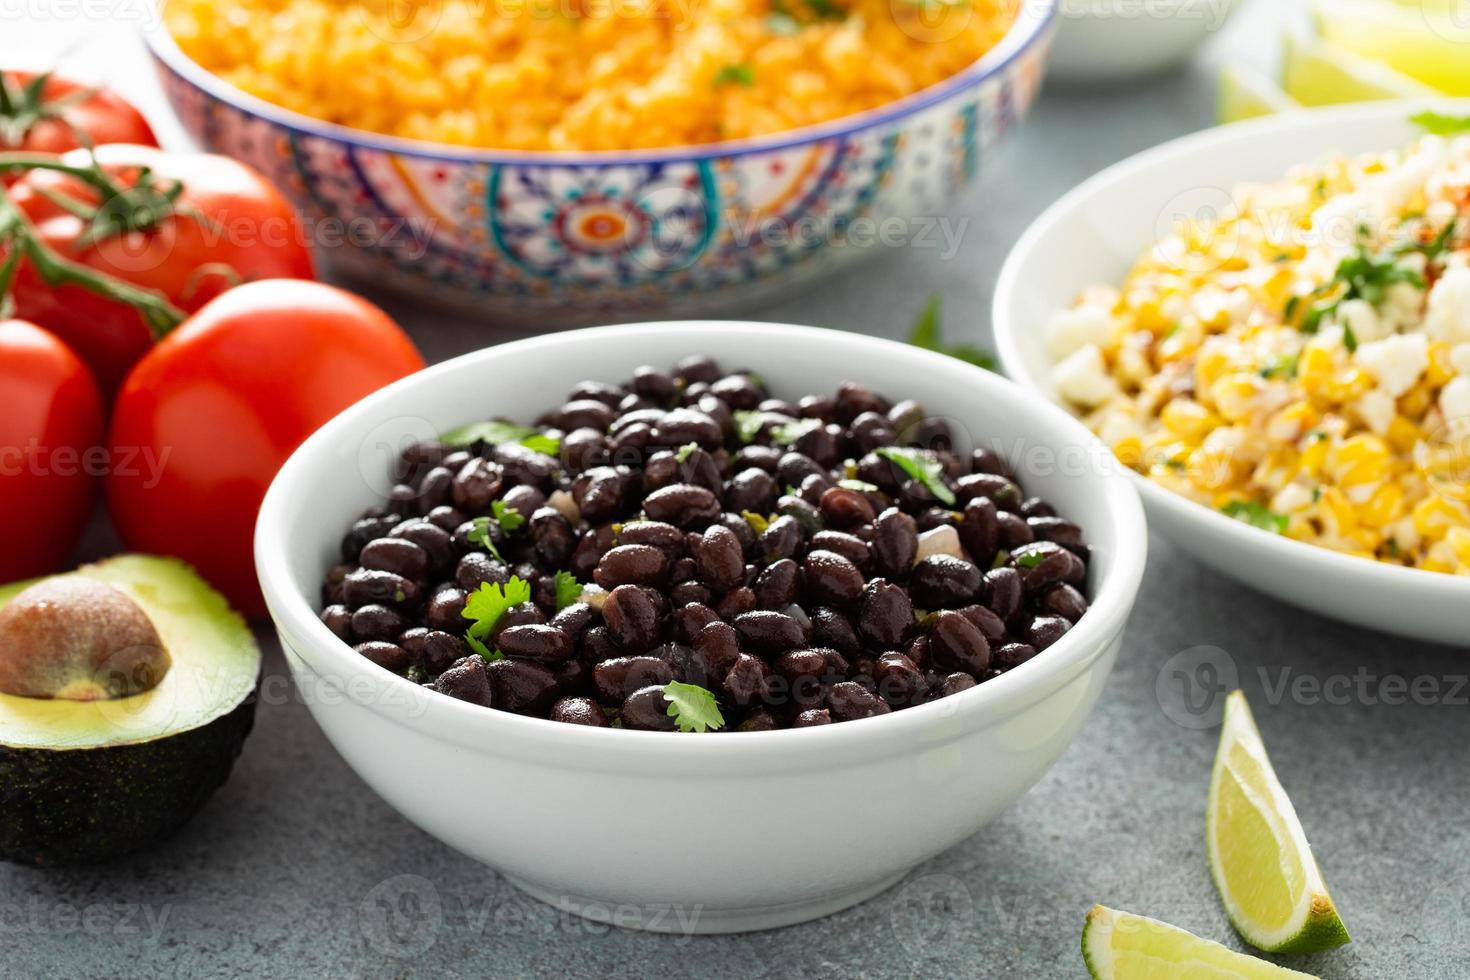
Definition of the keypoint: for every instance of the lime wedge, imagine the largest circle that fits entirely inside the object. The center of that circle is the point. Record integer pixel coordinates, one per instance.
(1424, 39)
(1320, 73)
(1124, 946)
(1246, 94)
(1268, 880)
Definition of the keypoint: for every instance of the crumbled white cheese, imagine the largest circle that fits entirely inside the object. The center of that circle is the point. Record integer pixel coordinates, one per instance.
(941, 540)
(1071, 330)
(1082, 377)
(1364, 320)
(1396, 362)
(1448, 316)
(1460, 359)
(1454, 402)
(1377, 409)
(1291, 498)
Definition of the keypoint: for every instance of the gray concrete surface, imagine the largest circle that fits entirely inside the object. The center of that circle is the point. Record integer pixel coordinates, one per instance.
(296, 869)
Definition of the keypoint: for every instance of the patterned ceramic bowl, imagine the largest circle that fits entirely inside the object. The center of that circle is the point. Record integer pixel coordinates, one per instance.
(598, 236)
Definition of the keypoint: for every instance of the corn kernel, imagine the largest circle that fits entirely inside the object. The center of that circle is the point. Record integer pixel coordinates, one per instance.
(1188, 419)
(1434, 516)
(1384, 507)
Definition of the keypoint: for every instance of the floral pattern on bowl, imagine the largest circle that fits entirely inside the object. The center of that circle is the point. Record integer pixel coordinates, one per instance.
(591, 235)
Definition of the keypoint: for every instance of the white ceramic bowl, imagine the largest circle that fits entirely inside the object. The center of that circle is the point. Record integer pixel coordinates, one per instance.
(1116, 40)
(1095, 233)
(713, 833)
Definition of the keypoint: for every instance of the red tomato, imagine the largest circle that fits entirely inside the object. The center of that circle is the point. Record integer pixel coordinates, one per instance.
(225, 399)
(232, 226)
(67, 114)
(51, 450)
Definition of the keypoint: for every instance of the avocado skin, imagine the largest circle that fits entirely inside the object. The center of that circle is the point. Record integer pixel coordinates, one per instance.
(79, 806)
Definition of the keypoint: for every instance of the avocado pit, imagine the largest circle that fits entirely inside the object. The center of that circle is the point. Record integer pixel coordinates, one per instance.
(78, 639)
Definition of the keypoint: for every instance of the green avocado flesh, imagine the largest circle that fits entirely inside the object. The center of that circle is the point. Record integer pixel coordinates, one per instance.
(89, 780)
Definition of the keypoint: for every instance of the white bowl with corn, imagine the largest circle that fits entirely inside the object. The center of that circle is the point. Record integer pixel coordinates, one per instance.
(1269, 323)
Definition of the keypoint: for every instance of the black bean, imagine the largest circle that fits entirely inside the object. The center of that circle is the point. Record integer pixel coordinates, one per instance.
(574, 619)
(1064, 601)
(957, 644)
(719, 644)
(953, 684)
(332, 585)
(1011, 655)
(364, 530)
(467, 681)
(544, 644)
(598, 494)
(1005, 494)
(721, 561)
(631, 564)
(375, 622)
(1044, 564)
(735, 603)
(579, 711)
(803, 672)
(655, 385)
(943, 581)
(339, 620)
(849, 701)
(615, 679)
(768, 633)
(433, 539)
(477, 568)
(366, 587)
(683, 505)
(697, 367)
(1043, 631)
(886, 615)
(759, 720)
(853, 400)
(849, 546)
(389, 656)
(477, 483)
(524, 500)
(895, 543)
(980, 531)
(598, 644)
(823, 445)
(583, 413)
(991, 626)
(665, 537)
(437, 651)
(445, 611)
(780, 539)
(632, 617)
(778, 585)
(812, 717)
(751, 490)
(831, 578)
(521, 686)
(1003, 592)
(682, 426)
(900, 682)
(1012, 531)
(553, 537)
(435, 490)
(747, 681)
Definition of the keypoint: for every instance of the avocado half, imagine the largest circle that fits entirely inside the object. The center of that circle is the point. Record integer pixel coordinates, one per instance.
(84, 781)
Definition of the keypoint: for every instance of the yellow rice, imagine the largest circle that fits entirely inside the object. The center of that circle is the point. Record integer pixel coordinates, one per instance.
(584, 74)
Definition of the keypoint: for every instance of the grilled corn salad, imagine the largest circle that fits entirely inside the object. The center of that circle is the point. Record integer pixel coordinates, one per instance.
(1302, 362)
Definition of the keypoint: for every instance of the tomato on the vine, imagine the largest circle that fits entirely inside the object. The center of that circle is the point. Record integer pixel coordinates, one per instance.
(49, 113)
(51, 450)
(228, 397)
(186, 226)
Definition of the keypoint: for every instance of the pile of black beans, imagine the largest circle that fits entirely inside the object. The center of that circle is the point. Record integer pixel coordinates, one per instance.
(770, 551)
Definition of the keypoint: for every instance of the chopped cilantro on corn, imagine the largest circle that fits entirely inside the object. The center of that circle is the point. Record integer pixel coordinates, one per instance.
(1301, 361)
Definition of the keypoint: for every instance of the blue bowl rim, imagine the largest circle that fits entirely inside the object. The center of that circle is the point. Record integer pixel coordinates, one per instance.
(1031, 26)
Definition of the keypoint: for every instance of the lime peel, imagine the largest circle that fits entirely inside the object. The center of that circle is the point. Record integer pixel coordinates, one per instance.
(1123, 946)
(1268, 880)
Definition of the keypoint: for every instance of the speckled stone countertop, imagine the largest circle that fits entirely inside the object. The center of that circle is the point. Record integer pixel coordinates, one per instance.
(296, 869)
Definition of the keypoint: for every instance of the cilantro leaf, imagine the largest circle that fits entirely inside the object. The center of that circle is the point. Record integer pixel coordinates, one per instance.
(693, 708)
(748, 425)
(1439, 124)
(1029, 559)
(490, 602)
(758, 523)
(1283, 366)
(925, 334)
(497, 431)
(919, 466)
(480, 535)
(509, 519)
(1256, 515)
(685, 451)
(787, 433)
(743, 75)
(568, 589)
(782, 25)
(486, 654)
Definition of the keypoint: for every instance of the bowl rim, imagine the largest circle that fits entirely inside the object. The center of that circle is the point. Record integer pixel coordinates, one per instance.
(1010, 349)
(855, 741)
(1032, 25)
